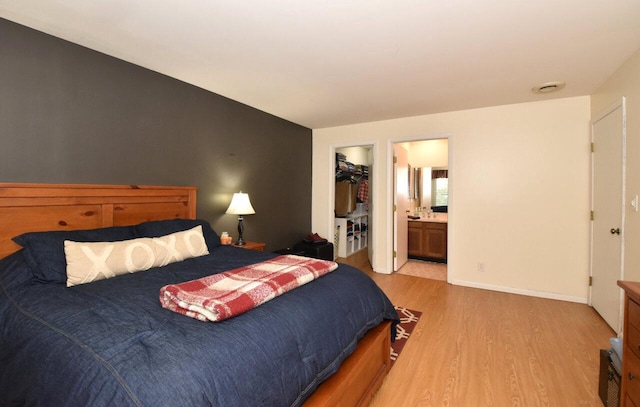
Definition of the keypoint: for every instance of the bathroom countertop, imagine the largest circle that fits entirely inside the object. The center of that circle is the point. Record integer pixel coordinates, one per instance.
(435, 218)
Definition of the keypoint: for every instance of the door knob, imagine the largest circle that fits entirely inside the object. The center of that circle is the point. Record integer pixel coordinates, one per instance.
(615, 231)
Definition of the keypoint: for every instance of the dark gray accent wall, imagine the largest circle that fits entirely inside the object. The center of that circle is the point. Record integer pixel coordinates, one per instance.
(72, 115)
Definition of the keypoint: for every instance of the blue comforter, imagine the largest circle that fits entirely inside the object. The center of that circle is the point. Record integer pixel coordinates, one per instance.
(109, 343)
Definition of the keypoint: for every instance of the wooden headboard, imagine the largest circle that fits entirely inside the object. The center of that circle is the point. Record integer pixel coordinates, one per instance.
(43, 207)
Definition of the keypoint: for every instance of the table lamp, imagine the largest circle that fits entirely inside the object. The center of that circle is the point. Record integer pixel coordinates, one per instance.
(240, 205)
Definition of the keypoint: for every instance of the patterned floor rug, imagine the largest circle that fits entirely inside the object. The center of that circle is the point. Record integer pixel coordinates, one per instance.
(408, 320)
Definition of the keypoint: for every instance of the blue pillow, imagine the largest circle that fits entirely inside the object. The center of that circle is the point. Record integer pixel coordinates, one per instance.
(44, 251)
(165, 227)
(14, 271)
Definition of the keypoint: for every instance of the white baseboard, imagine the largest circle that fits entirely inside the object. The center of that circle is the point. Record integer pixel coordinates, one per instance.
(511, 290)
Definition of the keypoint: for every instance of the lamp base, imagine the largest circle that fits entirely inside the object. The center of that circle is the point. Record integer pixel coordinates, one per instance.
(240, 241)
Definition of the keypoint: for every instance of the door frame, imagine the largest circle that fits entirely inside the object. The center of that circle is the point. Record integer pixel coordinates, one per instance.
(621, 103)
(451, 200)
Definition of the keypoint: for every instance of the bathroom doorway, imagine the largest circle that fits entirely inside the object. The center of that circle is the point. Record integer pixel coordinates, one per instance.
(428, 211)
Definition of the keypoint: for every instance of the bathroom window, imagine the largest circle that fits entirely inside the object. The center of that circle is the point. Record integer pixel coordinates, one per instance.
(440, 191)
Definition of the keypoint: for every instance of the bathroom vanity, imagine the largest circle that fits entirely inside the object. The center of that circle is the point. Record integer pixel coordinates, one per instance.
(428, 238)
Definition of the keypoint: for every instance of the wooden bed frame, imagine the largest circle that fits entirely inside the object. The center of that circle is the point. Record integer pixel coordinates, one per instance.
(44, 207)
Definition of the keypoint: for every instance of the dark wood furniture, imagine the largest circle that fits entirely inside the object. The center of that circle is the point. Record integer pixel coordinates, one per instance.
(46, 207)
(630, 390)
(257, 246)
(427, 240)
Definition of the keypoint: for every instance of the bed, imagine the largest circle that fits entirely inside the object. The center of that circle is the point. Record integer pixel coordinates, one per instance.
(109, 342)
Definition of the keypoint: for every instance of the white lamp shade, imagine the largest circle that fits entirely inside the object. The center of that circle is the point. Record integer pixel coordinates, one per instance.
(240, 205)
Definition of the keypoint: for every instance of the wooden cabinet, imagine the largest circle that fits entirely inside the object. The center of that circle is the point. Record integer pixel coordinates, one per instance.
(427, 240)
(351, 234)
(257, 246)
(414, 241)
(630, 391)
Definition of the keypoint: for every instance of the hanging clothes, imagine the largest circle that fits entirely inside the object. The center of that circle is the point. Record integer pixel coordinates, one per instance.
(345, 200)
(363, 191)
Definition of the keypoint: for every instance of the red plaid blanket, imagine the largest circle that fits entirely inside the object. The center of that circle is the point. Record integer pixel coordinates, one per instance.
(225, 295)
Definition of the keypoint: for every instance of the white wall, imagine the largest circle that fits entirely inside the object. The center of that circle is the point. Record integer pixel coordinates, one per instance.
(431, 153)
(519, 192)
(626, 82)
(356, 155)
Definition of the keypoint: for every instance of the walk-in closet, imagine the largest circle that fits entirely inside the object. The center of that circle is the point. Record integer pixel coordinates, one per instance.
(352, 200)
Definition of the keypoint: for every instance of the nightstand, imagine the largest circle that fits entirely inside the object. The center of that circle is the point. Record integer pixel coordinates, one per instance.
(630, 389)
(257, 246)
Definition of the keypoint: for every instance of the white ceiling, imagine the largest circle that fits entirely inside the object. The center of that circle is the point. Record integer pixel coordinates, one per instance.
(334, 62)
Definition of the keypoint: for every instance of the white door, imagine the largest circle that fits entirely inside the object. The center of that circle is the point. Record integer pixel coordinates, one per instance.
(607, 229)
(401, 204)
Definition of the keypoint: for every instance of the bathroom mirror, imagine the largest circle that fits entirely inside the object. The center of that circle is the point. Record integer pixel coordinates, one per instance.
(430, 186)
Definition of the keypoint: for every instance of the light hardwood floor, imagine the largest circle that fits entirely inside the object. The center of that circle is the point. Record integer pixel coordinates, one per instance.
(476, 347)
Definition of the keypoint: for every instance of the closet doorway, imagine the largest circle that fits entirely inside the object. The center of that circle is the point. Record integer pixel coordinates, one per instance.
(428, 203)
(353, 208)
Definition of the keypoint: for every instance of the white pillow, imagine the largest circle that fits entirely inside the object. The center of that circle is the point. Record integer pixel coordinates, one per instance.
(92, 261)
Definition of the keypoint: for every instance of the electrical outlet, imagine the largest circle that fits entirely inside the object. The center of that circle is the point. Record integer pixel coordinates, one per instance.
(481, 267)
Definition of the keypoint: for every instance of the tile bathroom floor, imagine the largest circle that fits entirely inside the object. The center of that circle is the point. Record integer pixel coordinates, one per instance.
(424, 269)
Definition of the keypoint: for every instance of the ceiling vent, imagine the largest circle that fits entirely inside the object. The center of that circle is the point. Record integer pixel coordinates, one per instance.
(548, 87)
